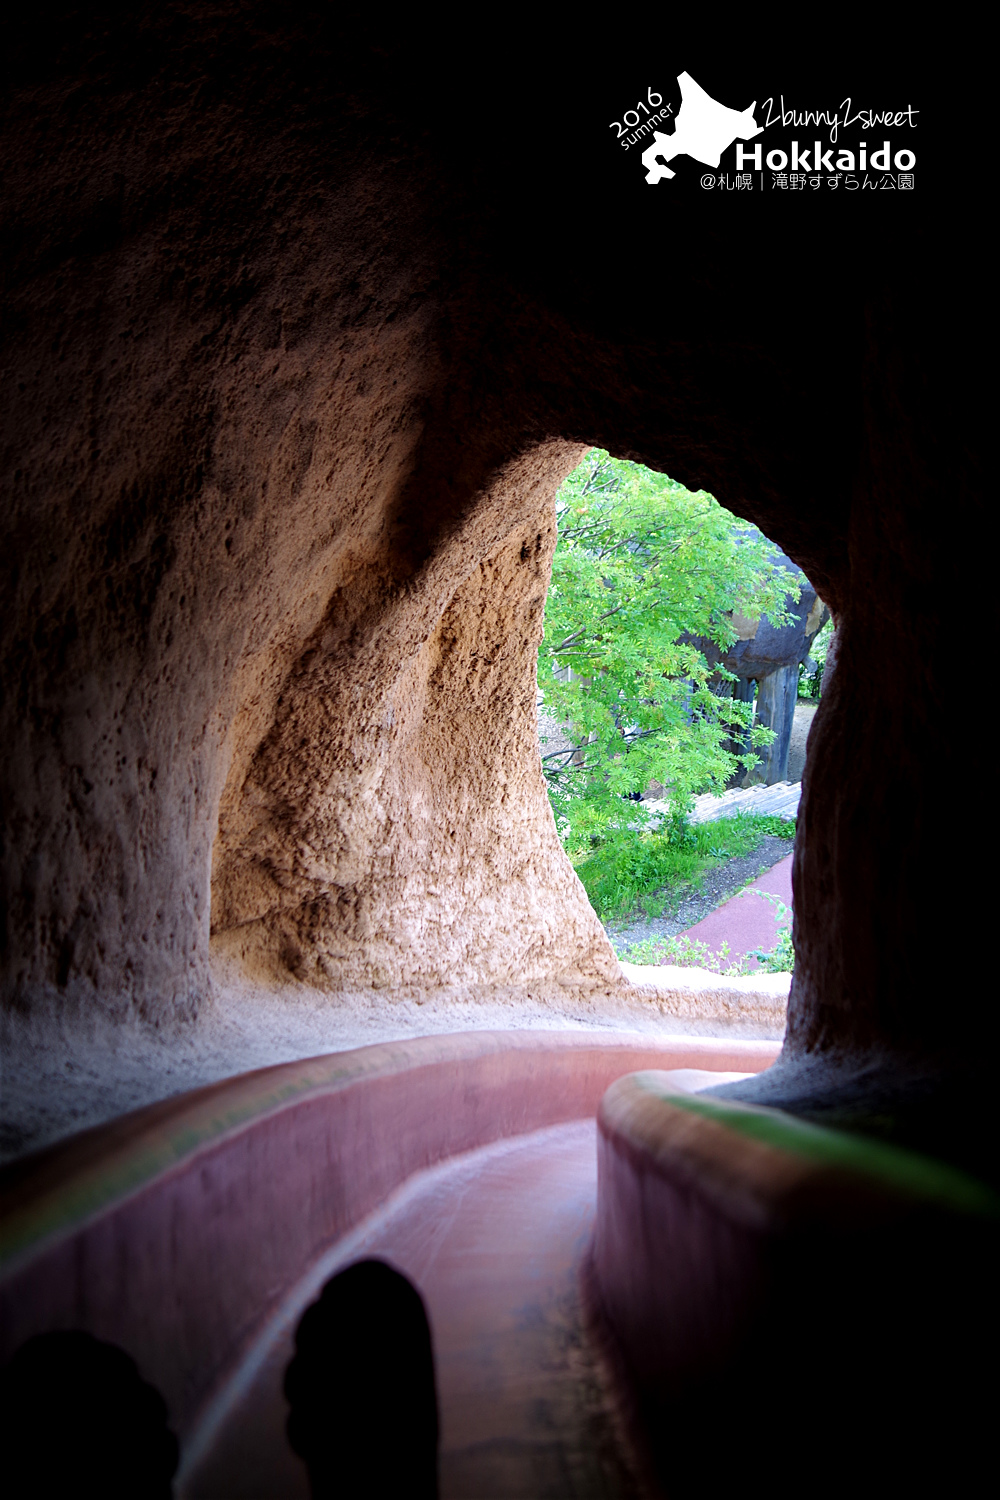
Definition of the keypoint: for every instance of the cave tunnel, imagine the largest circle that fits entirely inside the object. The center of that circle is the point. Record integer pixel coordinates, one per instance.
(305, 326)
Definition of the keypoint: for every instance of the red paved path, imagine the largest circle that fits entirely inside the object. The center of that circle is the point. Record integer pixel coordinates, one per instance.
(748, 922)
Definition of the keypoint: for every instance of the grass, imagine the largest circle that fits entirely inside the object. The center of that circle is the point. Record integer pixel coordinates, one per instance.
(647, 872)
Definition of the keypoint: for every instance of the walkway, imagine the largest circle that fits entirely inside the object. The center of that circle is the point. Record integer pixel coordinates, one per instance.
(494, 1242)
(749, 921)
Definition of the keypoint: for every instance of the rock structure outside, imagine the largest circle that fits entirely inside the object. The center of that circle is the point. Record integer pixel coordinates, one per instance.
(768, 657)
(777, 695)
(295, 367)
(763, 648)
(771, 657)
(766, 661)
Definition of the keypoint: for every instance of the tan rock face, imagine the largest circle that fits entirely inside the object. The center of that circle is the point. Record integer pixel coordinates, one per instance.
(393, 825)
(294, 368)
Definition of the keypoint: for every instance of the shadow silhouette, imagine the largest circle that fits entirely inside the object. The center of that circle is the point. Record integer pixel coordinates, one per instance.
(78, 1419)
(361, 1389)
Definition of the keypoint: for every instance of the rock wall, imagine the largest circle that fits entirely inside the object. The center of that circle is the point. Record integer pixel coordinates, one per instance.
(766, 659)
(295, 366)
(776, 698)
(393, 826)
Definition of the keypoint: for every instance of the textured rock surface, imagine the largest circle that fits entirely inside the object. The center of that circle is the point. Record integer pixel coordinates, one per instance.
(295, 366)
(777, 694)
(766, 659)
(393, 827)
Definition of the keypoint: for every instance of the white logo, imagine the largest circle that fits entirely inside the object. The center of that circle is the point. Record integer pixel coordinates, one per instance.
(704, 129)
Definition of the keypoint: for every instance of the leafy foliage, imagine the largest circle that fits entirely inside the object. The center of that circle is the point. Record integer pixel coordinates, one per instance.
(781, 959)
(642, 565)
(681, 952)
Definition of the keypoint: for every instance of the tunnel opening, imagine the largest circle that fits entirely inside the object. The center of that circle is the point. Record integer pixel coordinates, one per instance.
(392, 777)
(665, 612)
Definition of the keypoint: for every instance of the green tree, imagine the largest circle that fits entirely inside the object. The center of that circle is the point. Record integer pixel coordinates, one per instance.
(642, 566)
